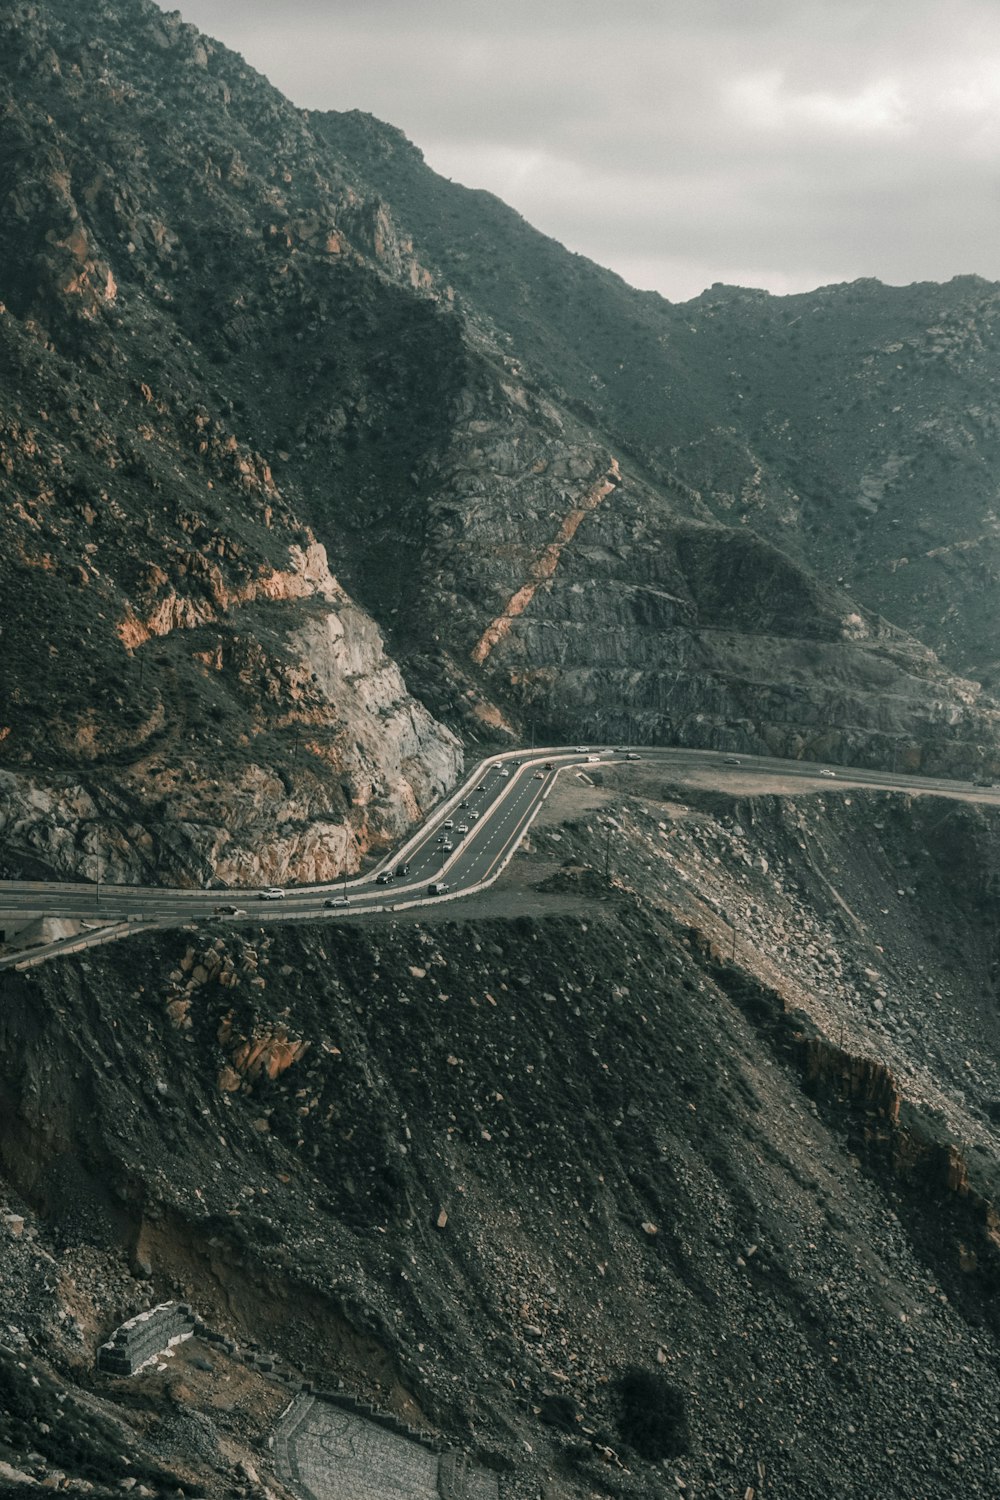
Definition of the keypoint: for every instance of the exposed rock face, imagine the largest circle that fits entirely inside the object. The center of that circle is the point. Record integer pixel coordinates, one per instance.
(368, 761)
(189, 693)
(856, 426)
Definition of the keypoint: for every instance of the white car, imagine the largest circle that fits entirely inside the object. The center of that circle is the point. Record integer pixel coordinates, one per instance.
(463, 827)
(503, 771)
(447, 846)
(473, 817)
(273, 893)
(338, 901)
(448, 823)
(826, 772)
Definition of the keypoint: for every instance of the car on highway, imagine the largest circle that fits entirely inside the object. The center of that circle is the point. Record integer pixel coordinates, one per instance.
(463, 827)
(437, 888)
(463, 804)
(732, 760)
(272, 893)
(631, 755)
(384, 878)
(337, 901)
(827, 772)
(538, 776)
(402, 869)
(447, 846)
(503, 771)
(591, 759)
(581, 749)
(548, 766)
(228, 911)
(448, 823)
(474, 816)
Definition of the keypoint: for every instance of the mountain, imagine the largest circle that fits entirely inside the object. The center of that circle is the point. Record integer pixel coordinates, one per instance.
(668, 1165)
(275, 394)
(855, 427)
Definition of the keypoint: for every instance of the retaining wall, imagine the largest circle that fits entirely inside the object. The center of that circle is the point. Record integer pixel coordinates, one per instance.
(138, 1342)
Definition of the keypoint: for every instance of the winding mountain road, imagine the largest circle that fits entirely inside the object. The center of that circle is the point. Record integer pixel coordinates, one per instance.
(494, 807)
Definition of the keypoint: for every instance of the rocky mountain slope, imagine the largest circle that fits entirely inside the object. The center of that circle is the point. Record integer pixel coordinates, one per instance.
(855, 426)
(681, 1184)
(252, 359)
(188, 691)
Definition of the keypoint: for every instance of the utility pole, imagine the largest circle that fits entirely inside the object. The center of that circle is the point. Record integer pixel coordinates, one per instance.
(607, 855)
(98, 874)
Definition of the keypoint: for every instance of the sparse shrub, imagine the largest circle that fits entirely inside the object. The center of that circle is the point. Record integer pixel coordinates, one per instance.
(653, 1415)
(559, 1410)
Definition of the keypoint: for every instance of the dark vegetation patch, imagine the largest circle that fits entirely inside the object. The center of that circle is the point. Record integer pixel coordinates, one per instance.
(653, 1417)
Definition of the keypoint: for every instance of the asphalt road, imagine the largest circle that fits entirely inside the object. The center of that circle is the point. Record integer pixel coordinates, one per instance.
(494, 807)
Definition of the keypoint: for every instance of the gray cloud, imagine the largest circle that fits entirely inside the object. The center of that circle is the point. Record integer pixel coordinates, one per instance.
(782, 143)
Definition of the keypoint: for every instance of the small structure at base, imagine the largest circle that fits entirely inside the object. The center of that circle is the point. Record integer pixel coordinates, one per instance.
(139, 1341)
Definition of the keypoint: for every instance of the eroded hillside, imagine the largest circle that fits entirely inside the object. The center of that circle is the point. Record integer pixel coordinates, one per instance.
(481, 1171)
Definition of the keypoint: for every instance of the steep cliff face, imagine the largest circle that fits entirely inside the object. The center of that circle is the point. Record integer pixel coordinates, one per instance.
(188, 691)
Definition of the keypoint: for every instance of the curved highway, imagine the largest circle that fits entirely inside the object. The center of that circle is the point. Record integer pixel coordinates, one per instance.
(461, 848)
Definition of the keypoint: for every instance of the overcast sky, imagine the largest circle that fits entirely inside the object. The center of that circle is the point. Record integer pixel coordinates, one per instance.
(783, 144)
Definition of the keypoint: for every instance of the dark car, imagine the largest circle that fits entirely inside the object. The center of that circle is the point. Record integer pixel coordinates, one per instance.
(402, 869)
(384, 878)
